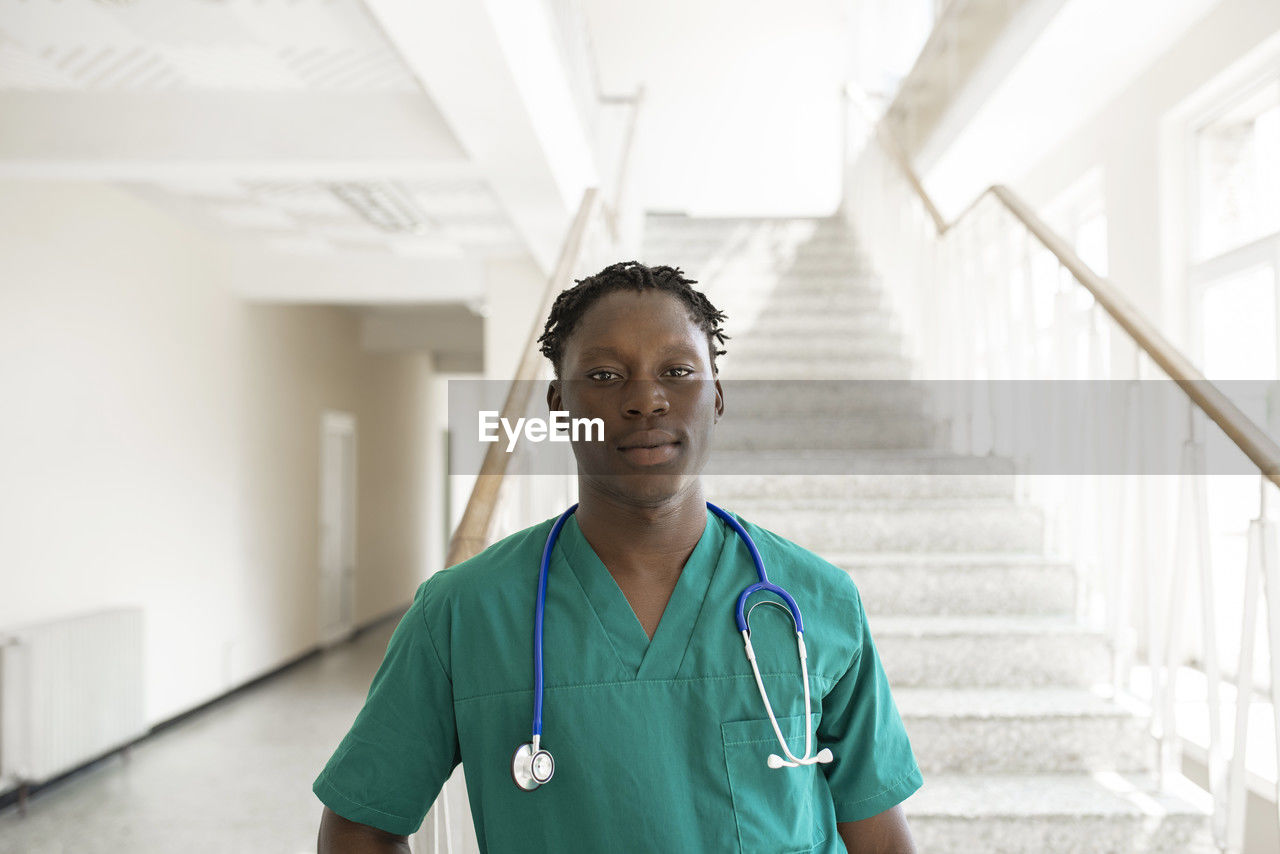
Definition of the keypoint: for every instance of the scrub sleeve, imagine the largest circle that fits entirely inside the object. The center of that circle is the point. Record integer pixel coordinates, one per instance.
(403, 745)
(874, 767)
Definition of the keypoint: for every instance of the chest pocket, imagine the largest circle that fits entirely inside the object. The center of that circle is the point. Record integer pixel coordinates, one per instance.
(778, 810)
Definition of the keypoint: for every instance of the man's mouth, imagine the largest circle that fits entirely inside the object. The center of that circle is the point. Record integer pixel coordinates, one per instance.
(651, 448)
(645, 455)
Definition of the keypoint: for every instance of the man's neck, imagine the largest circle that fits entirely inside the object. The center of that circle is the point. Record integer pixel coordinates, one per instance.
(649, 541)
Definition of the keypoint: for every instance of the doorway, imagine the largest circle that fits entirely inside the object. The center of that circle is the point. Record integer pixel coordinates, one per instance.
(337, 526)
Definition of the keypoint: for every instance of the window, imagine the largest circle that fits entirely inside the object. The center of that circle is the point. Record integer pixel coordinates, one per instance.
(1237, 173)
(1232, 257)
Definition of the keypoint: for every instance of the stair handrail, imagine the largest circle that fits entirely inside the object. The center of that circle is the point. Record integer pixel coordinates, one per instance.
(1245, 433)
(470, 537)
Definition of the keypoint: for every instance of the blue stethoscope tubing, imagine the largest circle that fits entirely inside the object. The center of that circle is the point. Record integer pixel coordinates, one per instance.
(532, 765)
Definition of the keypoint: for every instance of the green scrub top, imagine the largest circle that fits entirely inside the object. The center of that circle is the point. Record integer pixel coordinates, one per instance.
(659, 745)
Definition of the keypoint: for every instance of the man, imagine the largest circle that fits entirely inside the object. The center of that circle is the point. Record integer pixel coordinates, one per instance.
(651, 710)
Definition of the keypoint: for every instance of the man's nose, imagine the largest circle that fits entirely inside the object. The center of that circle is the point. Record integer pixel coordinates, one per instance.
(645, 397)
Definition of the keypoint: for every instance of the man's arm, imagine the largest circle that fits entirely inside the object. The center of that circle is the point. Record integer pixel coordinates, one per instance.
(342, 836)
(886, 833)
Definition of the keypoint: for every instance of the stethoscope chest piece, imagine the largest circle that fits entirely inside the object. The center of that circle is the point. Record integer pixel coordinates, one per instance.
(531, 767)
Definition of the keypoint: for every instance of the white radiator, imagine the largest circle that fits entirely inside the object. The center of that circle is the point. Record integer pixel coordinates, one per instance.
(71, 690)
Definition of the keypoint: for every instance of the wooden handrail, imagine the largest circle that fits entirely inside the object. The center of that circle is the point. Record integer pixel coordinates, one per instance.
(1251, 439)
(471, 535)
(1240, 428)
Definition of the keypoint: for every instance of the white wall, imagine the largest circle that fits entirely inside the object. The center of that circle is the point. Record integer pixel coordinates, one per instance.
(887, 37)
(1123, 138)
(161, 443)
(514, 290)
(742, 103)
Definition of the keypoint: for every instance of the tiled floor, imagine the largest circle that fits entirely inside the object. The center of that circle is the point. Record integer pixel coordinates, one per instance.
(235, 779)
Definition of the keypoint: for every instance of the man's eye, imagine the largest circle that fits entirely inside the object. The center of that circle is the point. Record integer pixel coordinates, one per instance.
(595, 374)
(686, 373)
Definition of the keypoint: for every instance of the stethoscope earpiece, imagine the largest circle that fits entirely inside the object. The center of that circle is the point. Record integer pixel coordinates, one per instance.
(824, 756)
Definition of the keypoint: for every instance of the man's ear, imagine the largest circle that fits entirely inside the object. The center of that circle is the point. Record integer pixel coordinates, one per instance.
(719, 400)
(553, 396)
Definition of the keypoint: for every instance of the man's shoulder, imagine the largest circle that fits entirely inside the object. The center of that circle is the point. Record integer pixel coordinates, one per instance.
(491, 570)
(797, 564)
(826, 593)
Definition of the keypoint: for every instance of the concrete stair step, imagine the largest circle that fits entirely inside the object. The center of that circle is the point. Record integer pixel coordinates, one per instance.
(930, 585)
(1011, 731)
(822, 262)
(900, 525)
(675, 225)
(831, 240)
(864, 486)
(831, 228)
(754, 431)
(781, 287)
(804, 398)
(825, 269)
(658, 248)
(990, 652)
(821, 353)
(798, 232)
(831, 248)
(894, 367)
(818, 350)
(887, 341)
(821, 312)
(696, 262)
(1058, 813)
(895, 462)
(793, 324)
(820, 296)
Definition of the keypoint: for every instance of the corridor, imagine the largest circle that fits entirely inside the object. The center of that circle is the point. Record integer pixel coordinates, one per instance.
(232, 777)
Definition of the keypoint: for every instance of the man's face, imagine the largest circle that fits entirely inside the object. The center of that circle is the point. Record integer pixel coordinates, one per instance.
(640, 364)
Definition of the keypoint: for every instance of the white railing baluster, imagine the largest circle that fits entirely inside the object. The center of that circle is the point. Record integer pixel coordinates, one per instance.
(1117, 600)
(1192, 521)
(1135, 521)
(448, 825)
(1209, 644)
(1271, 591)
(1261, 533)
(1170, 749)
(435, 821)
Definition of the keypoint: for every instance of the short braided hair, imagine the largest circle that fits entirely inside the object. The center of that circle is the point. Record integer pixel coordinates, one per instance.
(573, 302)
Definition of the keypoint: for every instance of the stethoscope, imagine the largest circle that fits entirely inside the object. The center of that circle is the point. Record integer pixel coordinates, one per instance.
(532, 765)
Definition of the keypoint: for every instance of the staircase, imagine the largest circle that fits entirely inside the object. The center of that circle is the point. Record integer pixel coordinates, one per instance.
(974, 621)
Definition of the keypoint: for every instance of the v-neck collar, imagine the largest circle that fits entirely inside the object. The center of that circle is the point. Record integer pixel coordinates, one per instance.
(659, 658)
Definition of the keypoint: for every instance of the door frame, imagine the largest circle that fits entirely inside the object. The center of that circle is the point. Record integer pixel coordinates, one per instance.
(337, 517)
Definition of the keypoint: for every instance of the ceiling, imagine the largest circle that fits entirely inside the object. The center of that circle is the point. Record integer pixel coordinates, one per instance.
(132, 56)
(317, 45)
(439, 156)
(414, 132)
